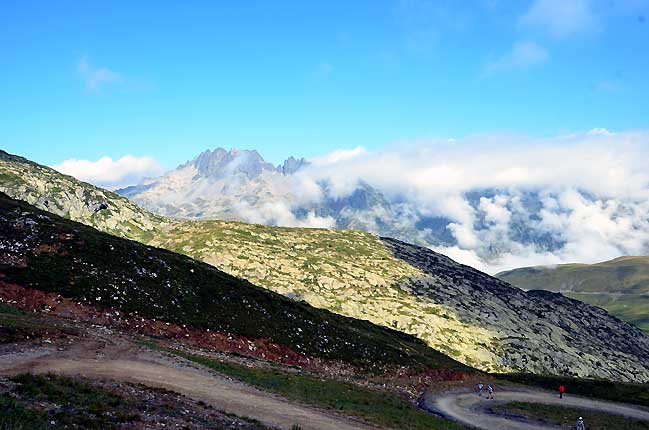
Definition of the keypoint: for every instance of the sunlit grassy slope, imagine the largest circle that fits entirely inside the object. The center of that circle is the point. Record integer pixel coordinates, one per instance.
(629, 275)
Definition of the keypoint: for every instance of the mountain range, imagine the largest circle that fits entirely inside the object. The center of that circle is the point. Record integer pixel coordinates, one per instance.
(470, 316)
(240, 185)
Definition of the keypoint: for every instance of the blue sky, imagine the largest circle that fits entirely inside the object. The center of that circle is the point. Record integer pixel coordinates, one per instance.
(86, 80)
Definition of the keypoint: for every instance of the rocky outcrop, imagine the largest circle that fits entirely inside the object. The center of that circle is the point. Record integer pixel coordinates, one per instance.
(66, 196)
(292, 165)
(621, 285)
(536, 330)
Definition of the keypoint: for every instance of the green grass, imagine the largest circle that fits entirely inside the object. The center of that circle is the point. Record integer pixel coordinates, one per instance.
(621, 275)
(632, 308)
(14, 415)
(101, 269)
(79, 405)
(378, 407)
(620, 286)
(567, 416)
(82, 404)
(10, 310)
(595, 388)
(16, 326)
(49, 402)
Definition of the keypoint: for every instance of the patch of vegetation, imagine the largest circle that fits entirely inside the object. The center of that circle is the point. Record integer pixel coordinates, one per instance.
(600, 389)
(100, 269)
(10, 310)
(16, 326)
(50, 402)
(79, 405)
(14, 415)
(567, 416)
(7, 178)
(378, 407)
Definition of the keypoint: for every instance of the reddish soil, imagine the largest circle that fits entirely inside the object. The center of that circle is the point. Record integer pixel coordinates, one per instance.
(32, 300)
(405, 380)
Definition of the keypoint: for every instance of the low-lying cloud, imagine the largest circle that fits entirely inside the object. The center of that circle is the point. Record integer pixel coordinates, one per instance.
(496, 202)
(590, 190)
(108, 173)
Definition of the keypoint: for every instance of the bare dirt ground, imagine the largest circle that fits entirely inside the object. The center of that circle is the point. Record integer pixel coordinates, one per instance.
(101, 353)
(470, 409)
(113, 356)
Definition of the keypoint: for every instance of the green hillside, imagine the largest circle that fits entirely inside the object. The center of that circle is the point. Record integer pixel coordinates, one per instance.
(625, 275)
(621, 286)
(49, 253)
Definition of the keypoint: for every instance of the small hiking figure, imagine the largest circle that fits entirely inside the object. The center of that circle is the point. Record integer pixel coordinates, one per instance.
(562, 390)
(580, 424)
(479, 387)
(490, 391)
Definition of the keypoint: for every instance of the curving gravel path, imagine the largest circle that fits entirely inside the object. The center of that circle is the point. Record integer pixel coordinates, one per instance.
(470, 409)
(120, 360)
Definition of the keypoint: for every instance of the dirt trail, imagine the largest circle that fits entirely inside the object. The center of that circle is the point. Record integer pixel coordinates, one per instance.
(96, 360)
(112, 356)
(471, 409)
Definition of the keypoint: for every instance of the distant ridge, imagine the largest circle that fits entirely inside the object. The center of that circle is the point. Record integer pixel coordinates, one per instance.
(620, 286)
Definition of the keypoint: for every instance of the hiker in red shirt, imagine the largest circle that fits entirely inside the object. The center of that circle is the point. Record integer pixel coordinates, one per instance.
(562, 390)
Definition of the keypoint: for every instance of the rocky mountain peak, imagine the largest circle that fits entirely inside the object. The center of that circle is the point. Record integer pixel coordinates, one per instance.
(292, 165)
(220, 162)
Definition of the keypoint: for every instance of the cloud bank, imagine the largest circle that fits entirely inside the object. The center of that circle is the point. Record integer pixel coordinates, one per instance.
(496, 201)
(587, 192)
(109, 173)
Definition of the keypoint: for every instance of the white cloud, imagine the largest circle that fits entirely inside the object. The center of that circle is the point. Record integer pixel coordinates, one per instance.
(279, 213)
(591, 190)
(599, 131)
(109, 173)
(97, 78)
(338, 155)
(495, 210)
(521, 56)
(560, 17)
(586, 193)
